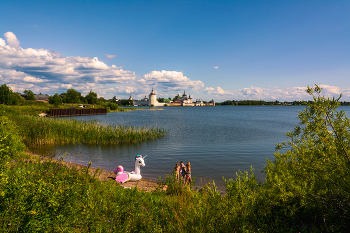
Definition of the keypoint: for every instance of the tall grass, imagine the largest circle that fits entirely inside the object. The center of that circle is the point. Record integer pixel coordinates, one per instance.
(49, 197)
(49, 131)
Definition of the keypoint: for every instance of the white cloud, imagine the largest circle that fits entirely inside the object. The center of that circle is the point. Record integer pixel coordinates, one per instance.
(12, 40)
(110, 56)
(48, 72)
(209, 90)
(274, 93)
(169, 81)
(66, 86)
(43, 68)
(31, 79)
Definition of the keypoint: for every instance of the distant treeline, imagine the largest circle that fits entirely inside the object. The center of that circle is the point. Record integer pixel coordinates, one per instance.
(269, 103)
(72, 96)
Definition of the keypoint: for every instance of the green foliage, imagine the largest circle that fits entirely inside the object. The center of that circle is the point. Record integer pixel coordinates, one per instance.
(127, 102)
(10, 141)
(16, 98)
(49, 131)
(7, 96)
(109, 105)
(55, 100)
(315, 172)
(174, 186)
(243, 189)
(91, 97)
(72, 96)
(29, 95)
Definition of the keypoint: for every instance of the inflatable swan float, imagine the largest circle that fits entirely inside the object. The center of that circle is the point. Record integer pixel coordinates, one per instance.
(135, 175)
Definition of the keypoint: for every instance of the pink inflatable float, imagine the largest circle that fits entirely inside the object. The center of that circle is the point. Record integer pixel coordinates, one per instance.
(123, 176)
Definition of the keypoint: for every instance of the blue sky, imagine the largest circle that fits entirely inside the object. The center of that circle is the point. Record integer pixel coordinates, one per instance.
(211, 49)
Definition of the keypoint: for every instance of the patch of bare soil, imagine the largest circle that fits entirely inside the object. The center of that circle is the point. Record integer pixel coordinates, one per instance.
(143, 184)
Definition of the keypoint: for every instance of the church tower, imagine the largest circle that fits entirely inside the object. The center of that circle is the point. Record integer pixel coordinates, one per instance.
(152, 99)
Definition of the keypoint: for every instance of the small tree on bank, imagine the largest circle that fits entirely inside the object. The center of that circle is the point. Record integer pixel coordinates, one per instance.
(314, 174)
(7, 97)
(55, 100)
(29, 95)
(91, 97)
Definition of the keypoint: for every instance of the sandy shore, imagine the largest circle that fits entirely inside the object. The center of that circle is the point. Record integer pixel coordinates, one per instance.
(144, 184)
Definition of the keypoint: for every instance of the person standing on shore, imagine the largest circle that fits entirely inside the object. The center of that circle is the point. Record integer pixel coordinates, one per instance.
(188, 173)
(176, 170)
(183, 171)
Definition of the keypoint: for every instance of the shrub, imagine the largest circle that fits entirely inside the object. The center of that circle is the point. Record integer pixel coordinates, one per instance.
(314, 174)
(10, 141)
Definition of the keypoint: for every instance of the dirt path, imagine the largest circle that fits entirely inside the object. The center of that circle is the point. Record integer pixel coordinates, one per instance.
(144, 184)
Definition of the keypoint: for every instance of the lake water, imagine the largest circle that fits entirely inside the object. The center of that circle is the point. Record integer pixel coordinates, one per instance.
(217, 141)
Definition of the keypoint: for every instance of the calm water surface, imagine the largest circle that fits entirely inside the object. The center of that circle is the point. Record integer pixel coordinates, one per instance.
(218, 141)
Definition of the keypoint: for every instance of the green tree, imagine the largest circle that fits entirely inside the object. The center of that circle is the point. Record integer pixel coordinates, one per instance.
(91, 97)
(55, 100)
(7, 96)
(16, 98)
(126, 102)
(114, 99)
(314, 173)
(29, 95)
(72, 96)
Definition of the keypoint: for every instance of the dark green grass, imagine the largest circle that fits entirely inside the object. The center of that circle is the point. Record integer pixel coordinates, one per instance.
(49, 197)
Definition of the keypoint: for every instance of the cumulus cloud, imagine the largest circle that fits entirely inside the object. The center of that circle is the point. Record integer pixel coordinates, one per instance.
(163, 82)
(47, 71)
(170, 81)
(110, 56)
(12, 40)
(209, 90)
(47, 68)
(274, 93)
(31, 79)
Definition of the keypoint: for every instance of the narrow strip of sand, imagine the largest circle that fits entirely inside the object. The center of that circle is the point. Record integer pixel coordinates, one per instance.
(143, 184)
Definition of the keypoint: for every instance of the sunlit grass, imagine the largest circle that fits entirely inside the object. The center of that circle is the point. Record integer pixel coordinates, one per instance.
(49, 197)
(48, 131)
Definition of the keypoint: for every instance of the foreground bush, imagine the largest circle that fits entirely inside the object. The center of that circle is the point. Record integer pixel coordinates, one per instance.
(10, 141)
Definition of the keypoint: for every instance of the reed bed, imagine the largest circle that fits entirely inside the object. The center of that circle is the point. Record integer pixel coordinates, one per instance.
(48, 131)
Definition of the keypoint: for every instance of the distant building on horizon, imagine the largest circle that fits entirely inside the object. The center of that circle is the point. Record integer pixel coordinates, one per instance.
(183, 100)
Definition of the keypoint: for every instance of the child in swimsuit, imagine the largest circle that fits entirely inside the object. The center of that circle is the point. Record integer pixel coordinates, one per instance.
(176, 170)
(188, 173)
(183, 171)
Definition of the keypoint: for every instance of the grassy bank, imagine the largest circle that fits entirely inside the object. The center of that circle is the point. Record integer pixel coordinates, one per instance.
(48, 131)
(49, 197)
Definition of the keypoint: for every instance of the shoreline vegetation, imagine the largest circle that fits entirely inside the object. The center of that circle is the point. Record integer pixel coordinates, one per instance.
(306, 188)
(49, 131)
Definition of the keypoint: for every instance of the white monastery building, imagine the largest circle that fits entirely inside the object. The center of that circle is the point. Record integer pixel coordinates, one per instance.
(183, 100)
